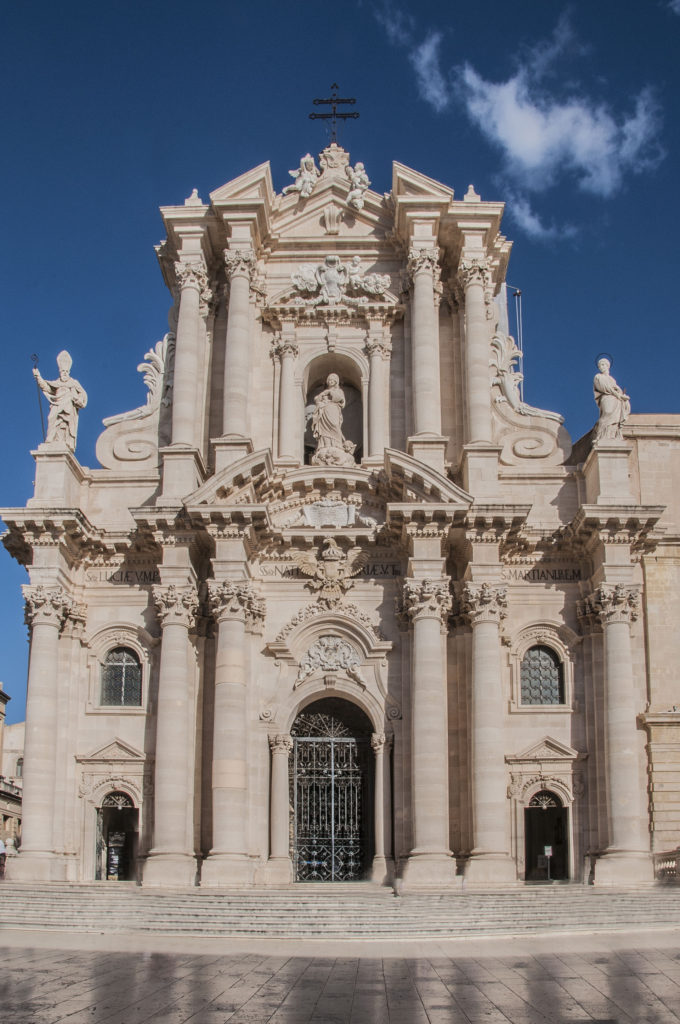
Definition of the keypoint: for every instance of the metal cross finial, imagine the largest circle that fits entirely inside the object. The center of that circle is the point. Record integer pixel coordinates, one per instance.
(334, 116)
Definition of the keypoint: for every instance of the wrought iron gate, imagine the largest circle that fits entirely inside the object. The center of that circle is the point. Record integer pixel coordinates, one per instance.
(327, 782)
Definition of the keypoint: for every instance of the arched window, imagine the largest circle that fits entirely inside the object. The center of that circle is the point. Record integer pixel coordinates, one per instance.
(20, 768)
(542, 677)
(121, 679)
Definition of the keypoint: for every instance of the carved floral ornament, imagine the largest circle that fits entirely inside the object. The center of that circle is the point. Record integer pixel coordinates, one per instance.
(420, 260)
(49, 606)
(239, 262)
(483, 602)
(474, 271)
(236, 599)
(427, 598)
(333, 283)
(611, 603)
(331, 654)
(281, 743)
(176, 605)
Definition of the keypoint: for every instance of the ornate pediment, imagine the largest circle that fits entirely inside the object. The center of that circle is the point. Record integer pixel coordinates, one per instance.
(336, 288)
(115, 752)
(546, 750)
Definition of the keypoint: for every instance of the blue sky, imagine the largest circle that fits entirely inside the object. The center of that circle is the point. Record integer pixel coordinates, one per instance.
(566, 111)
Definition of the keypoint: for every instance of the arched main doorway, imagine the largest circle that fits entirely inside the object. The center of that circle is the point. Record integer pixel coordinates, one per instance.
(331, 788)
(117, 838)
(546, 837)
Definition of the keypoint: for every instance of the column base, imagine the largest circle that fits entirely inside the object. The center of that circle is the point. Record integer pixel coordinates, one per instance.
(428, 448)
(230, 449)
(36, 867)
(169, 869)
(225, 869)
(490, 869)
(624, 868)
(425, 870)
(278, 871)
(382, 870)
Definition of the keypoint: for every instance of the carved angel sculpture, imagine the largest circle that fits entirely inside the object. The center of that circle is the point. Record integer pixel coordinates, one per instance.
(331, 573)
(359, 182)
(305, 177)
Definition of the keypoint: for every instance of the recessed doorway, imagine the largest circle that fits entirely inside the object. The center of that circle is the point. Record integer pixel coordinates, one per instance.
(546, 838)
(117, 839)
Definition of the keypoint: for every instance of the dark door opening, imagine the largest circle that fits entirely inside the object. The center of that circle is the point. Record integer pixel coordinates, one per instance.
(331, 793)
(117, 839)
(546, 838)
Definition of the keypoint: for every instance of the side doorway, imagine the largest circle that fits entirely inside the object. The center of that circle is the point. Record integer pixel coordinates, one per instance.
(546, 837)
(117, 839)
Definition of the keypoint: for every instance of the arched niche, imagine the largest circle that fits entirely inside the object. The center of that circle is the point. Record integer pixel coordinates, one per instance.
(352, 382)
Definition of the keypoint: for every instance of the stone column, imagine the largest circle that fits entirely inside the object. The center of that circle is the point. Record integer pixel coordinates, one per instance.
(474, 274)
(423, 266)
(194, 294)
(279, 866)
(490, 861)
(46, 610)
(287, 351)
(383, 867)
(379, 350)
(627, 858)
(427, 602)
(172, 860)
(240, 264)
(232, 602)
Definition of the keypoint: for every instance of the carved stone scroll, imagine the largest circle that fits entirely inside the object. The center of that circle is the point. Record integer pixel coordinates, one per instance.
(484, 602)
(176, 605)
(427, 597)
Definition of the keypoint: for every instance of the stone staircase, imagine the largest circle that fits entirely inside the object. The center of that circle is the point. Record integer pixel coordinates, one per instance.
(334, 912)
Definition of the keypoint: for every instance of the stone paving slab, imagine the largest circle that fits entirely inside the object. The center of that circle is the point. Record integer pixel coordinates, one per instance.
(49, 979)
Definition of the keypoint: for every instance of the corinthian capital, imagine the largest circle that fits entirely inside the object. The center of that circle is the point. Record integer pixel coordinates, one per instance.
(424, 259)
(176, 605)
(281, 744)
(482, 602)
(236, 599)
(192, 273)
(379, 346)
(615, 603)
(430, 598)
(474, 271)
(239, 262)
(48, 606)
(282, 347)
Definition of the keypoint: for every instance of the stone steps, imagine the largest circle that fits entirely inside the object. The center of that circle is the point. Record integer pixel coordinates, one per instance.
(297, 912)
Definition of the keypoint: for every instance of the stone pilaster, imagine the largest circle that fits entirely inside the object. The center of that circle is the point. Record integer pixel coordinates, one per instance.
(485, 605)
(47, 608)
(379, 350)
(427, 603)
(240, 266)
(279, 866)
(286, 350)
(235, 606)
(627, 858)
(172, 860)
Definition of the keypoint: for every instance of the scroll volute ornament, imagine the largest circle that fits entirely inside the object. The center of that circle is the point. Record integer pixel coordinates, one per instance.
(483, 602)
(239, 261)
(616, 603)
(474, 271)
(428, 597)
(46, 605)
(236, 599)
(176, 605)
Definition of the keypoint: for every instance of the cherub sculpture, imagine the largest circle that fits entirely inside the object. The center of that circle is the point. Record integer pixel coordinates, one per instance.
(359, 182)
(305, 177)
(331, 574)
(66, 397)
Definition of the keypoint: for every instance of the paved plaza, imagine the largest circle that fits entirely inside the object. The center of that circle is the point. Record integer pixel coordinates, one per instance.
(621, 978)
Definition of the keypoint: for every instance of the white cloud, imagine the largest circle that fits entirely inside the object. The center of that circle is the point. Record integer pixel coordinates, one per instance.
(674, 5)
(519, 210)
(398, 25)
(541, 136)
(431, 82)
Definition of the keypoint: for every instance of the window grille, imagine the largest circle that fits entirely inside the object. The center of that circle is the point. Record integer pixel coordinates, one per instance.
(121, 679)
(542, 677)
(120, 801)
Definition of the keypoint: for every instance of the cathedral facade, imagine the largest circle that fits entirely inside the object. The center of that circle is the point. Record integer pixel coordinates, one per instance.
(338, 604)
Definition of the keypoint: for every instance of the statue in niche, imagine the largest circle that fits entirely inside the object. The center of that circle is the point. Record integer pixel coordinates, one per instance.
(305, 177)
(359, 182)
(331, 447)
(66, 397)
(613, 403)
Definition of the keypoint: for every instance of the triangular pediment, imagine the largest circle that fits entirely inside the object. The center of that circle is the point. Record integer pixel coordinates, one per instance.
(254, 184)
(547, 749)
(407, 182)
(326, 215)
(117, 751)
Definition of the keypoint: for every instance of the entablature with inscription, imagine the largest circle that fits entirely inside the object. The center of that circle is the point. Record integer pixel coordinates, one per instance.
(67, 529)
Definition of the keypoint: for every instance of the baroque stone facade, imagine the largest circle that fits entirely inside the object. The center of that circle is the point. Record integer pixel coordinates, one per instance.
(339, 604)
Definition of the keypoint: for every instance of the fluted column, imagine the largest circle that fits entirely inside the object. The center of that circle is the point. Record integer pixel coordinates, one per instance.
(240, 264)
(423, 266)
(382, 859)
(279, 867)
(287, 351)
(427, 602)
(46, 610)
(485, 607)
(627, 858)
(379, 350)
(194, 293)
(172, 860)
(474, 274)
(233, 602)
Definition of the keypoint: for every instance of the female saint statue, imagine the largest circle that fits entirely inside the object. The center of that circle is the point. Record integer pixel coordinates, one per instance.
(613, 403)
(331, 447)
